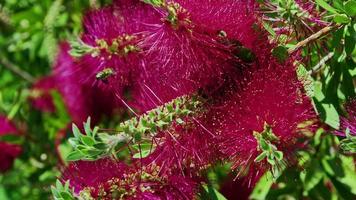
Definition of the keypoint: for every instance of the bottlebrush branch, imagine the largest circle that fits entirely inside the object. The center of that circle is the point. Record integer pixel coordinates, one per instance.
(93, 145)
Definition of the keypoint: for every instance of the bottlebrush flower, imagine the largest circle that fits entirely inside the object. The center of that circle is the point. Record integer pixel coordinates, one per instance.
(235, 17)
(9, 152)
(183, 55)
(111, 38)
(187, 149)
(82, 100)
(165, 51)
(108, 179)
(264, 119)
(85, 174)
(348, 122)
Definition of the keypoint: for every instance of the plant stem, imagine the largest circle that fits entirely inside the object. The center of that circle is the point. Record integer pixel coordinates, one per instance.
(324, 31)
(17, 70)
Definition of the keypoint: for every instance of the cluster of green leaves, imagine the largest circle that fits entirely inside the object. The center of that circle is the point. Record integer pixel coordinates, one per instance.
(62, 192)
(93, 145)
(327, 174)
(348, 144)
(269, 150)
(328, 72)
(80, 48)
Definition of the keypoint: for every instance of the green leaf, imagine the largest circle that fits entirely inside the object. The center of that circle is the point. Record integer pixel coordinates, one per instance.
(66, 196)
(343, 190)
(264, 145)
(87, 140)
(270, 160)
(269, 29)
(76, 131)
(313, 175)
(332, 116)
(143, 153)
(212, 193)
(281, 53)
(278, 155)
(87, 127)
(326, 6)
(342, 19)
(350, 8)
(262, 187)
(260, 157)
(156, 3)
(74, 155)
(350, 41)
(100, 146)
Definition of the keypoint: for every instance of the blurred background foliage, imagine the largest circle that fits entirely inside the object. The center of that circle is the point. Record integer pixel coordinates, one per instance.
(30, 31)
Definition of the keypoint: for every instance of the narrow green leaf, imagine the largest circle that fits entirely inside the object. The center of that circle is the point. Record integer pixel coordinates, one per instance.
(66, 196)
(74, 155)
(350, 8)
(264, 145)
(281, 53)
(278, 155)
(143, 153)
(76, 131)
(100, 146)
(213, 193)
(87, 127)
(155, 3)
(326, 6)
(342, 19)
(270, 160)
(262, 187)
(260, 157)
(87, 140)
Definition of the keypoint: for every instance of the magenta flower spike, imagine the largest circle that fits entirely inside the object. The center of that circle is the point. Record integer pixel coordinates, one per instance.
(108, 179)
(9, 152)
(82, 100)
(269, 113)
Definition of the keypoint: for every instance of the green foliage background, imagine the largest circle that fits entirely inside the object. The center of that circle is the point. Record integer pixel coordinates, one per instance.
(30, 31)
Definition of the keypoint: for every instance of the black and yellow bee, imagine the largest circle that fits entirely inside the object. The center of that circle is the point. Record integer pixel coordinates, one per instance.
(104, 74)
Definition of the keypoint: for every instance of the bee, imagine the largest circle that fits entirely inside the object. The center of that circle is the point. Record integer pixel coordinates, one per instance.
(104, 74)
(237, 48)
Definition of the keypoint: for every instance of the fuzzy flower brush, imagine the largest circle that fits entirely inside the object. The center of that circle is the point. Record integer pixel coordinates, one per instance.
(262, 124)
(9, 152)
(108, 179)
(81, 99)
(163, 51)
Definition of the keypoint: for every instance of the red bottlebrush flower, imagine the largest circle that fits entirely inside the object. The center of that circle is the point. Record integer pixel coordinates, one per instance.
(108, 179)
(186, 149)
(72, 91)
(85, 174)
(40, 96)
(165, 51)
(9, 152)
(269, 106)
(235, 17)
(183, 55)
(114, 34)
(348, 122)
(82, 100)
